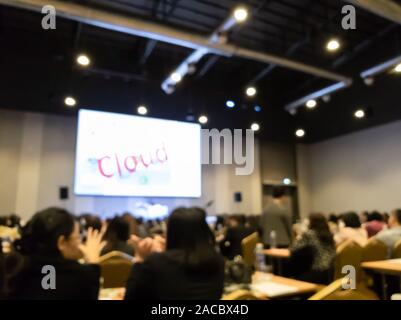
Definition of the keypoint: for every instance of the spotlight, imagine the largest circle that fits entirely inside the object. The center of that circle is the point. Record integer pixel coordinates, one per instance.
(359, 114)
(250, 91)
(70, 101)
(176, 77)
(287, 181)
(369, 81)
(83, 60)
(240, 14)
(142, 110)
(257, 108)
(255, 127)
(310, 104)
(333, 45)
(203, 119)
(300, 133)
(398, 68)
(230, 104)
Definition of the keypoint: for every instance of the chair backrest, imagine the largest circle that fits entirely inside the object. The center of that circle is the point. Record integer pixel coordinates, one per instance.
(115, 269)
(334, 292)
(374, 250)
(248, 248)
(348, 253)
(2, 272)
(397, 250)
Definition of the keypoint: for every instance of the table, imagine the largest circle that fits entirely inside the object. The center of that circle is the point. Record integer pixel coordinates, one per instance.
(278, 254)
(296, 287)
(384, 267)
(112, 294)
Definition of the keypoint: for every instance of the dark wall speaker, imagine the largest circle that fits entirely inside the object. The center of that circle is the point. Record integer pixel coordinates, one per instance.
(238, 197)
(63, 193)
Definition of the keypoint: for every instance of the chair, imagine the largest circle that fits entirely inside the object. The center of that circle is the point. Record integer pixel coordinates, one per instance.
(334, 292)
(397, 250)
(248, 248)
(374, 250)
(241, 295)
(348, 253)
(115, 269)
(2, 272)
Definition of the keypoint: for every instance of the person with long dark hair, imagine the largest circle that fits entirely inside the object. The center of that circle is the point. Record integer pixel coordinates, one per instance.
(313, 253)
(188, 268)
(51, 242)
(351, 229)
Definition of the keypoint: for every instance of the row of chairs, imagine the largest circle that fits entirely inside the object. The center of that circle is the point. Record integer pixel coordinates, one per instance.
(348, 253)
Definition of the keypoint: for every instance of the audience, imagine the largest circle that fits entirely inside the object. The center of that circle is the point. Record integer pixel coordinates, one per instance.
(52, 238)
(391, 236)
(313, 253)
(189, 268)
(351, 229)
(235, 233)
(374, 224)
(116, 237)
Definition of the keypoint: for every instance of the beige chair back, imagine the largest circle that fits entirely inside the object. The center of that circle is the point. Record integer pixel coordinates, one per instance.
(248, 248)
(241, 295)
(348, 253)
(397, 250)
(334, 291)
(115, 269)
(374, 250)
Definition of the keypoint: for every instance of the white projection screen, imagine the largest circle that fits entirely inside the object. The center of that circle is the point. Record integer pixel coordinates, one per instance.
(123, 155)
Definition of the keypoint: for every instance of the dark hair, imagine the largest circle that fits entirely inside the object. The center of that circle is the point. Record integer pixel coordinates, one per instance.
(351, 220)
(318, 223)
(41, 233)
(397, 215)
(90, 221)
(333, 218)
(375, 216)
(117, 229)
(188, 232)
(278, 192)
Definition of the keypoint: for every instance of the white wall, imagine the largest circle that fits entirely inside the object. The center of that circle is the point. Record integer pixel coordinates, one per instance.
(37, 154)
(359, 171)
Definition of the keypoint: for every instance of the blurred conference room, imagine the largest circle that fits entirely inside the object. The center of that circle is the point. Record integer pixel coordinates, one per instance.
(200, 150)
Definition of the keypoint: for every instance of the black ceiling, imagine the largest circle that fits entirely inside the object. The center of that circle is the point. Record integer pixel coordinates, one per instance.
(38, 69)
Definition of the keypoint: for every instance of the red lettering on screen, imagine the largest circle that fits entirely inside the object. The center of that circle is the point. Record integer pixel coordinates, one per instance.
(131, 163)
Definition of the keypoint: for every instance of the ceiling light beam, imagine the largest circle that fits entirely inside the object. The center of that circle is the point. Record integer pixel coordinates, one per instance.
(380, 68)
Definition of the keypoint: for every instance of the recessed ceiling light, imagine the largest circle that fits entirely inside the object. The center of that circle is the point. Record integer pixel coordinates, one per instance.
(310, 104)
(287, 181)
(142, 110)
(250, 91)
(83, 60)
(70, 101)
(333, 45)
(258, 108)
(300, 133)
(230, 104)
(255, 127)
(398, 68)
(176, 77)
(240, 14)
(203, 119)
(359, 114)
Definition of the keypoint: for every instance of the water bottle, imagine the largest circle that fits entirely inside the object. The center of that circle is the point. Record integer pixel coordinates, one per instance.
(260, 263)
(273, 239)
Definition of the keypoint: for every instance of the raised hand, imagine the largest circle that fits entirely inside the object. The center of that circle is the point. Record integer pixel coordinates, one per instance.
(93, 246)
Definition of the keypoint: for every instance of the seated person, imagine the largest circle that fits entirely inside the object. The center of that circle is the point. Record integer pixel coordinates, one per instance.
(117, 236)
(235, 233)
(313, 253)
(375, 224)
(52, 237)
(350, 228)
(391, 236)
(188, 268)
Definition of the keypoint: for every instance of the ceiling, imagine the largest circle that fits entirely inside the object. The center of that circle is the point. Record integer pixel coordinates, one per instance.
(38, 67)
